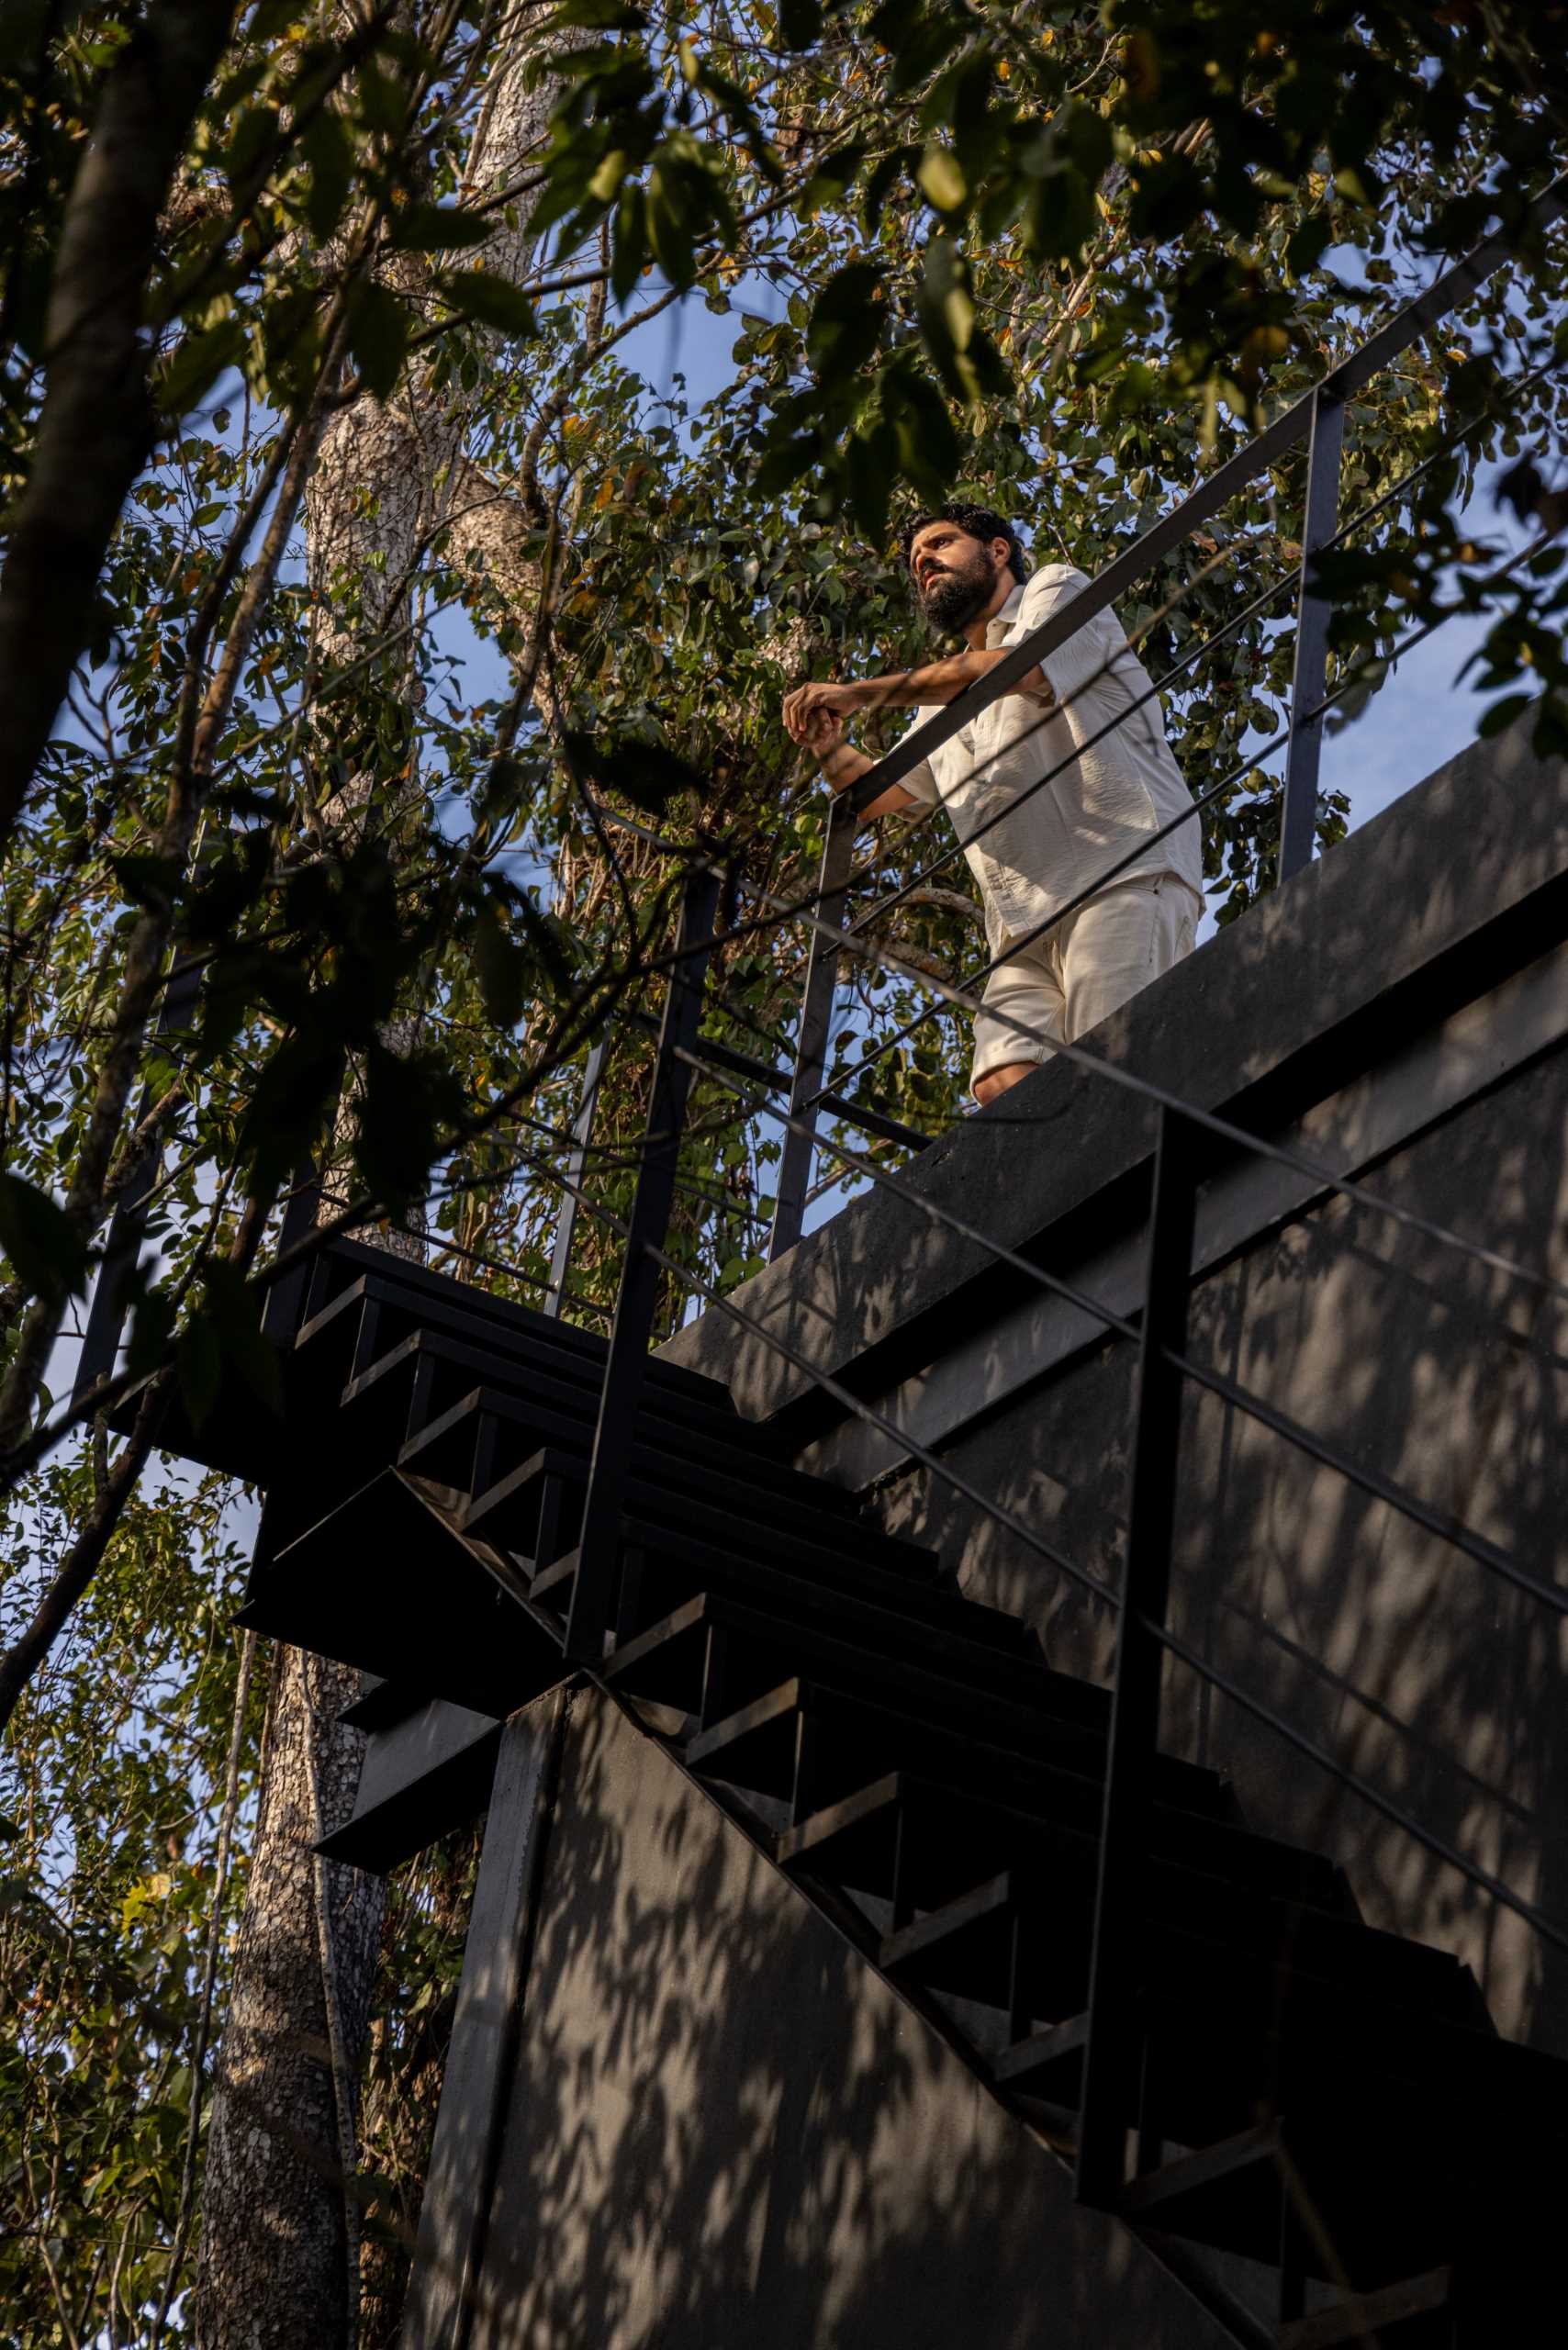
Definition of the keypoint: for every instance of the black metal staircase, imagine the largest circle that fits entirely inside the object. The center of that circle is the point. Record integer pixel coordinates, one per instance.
(1310, 2094)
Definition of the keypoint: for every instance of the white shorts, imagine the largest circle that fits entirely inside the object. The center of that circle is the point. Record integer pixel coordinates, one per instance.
(1082, 968)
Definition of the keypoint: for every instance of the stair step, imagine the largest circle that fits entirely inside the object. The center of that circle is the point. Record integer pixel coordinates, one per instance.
(1048, 2064)
(665, 1506)
(664, 1570)
(1214, 2048)
(931, 1835)
(386, 1581)
(717, 1652)
(1413, 2314)
(350, 1274)
(459, 1392)
(968, 1948)
(1364, 2205)
(939, 1634)
(819, 1735)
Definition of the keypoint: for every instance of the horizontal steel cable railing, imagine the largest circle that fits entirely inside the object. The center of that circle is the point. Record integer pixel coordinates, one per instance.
(999, 1514)
(1201, 800)
(1442, 1523)
(1200, 652)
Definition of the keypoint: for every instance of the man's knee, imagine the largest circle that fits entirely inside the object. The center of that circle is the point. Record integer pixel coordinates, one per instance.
(996, 1081)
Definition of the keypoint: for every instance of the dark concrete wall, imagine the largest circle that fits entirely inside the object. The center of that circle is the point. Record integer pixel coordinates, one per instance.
(1400, 1012)
(722, 2129)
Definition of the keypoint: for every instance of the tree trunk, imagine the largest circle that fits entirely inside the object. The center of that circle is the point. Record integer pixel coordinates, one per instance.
(96, 426)
(278, 2236)
(275, 2260)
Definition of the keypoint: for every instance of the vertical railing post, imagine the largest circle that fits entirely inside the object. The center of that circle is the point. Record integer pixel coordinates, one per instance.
(284, 1309)
(599, 1549)
(816, 1029)
(1113, 2058)
(1298, 817)
(127, 1226)
(577, 1163)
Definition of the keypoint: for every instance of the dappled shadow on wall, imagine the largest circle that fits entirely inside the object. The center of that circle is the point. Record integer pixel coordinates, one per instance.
(724, 2130)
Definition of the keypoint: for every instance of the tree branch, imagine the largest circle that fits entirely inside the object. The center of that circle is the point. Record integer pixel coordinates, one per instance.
(96, 426)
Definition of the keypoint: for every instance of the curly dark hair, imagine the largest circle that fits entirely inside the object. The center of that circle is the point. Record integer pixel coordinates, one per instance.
(977, 522)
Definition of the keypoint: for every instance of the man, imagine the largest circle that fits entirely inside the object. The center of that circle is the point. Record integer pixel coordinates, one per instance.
(1040, 849)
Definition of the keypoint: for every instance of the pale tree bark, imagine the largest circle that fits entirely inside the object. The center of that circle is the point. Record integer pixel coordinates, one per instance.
(278, 2262)
(275, 2236)
(96, 430)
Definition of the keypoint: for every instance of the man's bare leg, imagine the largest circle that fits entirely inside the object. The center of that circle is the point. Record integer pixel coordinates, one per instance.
(996, 1081)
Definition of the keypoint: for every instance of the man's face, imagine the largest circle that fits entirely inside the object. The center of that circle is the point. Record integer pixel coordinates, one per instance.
(955, 576)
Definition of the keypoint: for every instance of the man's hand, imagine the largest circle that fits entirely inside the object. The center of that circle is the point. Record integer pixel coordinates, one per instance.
(815, 715)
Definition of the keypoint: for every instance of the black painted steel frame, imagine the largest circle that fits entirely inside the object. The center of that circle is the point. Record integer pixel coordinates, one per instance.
(1112, 2059)
(631, 1335)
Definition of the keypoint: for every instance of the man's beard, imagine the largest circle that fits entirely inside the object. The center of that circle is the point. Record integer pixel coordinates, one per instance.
(953, 599)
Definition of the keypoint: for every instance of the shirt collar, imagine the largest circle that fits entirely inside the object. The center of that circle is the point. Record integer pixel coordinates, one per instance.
(996, 628)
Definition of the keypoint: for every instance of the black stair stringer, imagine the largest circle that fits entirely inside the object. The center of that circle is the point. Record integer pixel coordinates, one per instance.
(1316, 2104)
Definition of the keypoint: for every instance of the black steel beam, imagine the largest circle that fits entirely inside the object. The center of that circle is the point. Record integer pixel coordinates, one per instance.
(599, 1560)
(1112, 2057)
(582, 1139)
(1298, 817)
(816, 1028)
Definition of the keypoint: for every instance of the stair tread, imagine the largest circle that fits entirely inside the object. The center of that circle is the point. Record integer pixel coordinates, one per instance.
(385, 1581)
(828, 1650)
(1374, 2195)
(550, 1409)
(415, 1290)
(858, 1829)
(667, 1505)
(569, 1385)
(981, 1639)
(1310, 1942)
(1469, 2085)
(1362, 2316)
(1073, 1725)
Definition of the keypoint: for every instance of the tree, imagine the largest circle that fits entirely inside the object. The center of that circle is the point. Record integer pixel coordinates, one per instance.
(349, 313)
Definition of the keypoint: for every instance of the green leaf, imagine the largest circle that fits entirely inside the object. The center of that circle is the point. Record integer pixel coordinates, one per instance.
(437, 228)
(601, 15)
(255, 132)
(629, 242)
(235, 1310)
(846, 322)
(379, 338)
(943, 180)
(501, 967)
(325, 146)
(40, 1240)
(799, 23)
(490, 301)
(198, 1366)
(147, 880)
(1503, 713)
(196, 364)
(648, 774)
(1309, 243)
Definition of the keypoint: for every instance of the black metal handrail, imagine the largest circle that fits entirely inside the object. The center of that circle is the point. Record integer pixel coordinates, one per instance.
(1303, 420)
(1010, 1521)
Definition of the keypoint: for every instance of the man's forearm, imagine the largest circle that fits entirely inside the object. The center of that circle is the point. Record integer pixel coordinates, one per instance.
(843, 764)
(942, 681)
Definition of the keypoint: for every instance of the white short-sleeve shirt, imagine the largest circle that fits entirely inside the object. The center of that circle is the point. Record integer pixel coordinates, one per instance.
(1107, 797)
